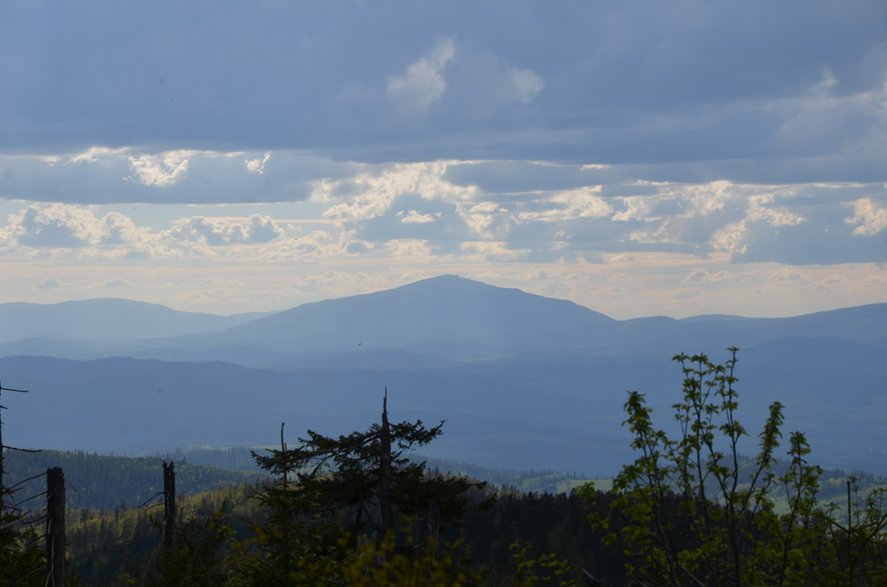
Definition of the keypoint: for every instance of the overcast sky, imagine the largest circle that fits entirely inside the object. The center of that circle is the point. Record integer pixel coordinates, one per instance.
(639, 158)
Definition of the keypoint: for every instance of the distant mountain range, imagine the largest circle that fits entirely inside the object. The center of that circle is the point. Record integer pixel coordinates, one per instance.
(440, 319)
(106, 319)
(522, 380)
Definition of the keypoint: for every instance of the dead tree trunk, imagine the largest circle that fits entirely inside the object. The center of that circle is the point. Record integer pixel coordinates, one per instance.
(169, 506)
(55, 526)
(385, 470)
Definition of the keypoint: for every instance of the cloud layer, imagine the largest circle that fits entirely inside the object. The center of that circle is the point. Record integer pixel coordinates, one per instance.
(690, 153)
(799, 83)
(587, 211)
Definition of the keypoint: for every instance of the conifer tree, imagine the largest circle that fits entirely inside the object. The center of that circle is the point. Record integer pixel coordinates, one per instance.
(362, 484)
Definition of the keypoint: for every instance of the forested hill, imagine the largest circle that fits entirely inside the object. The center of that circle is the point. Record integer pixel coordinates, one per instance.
(106, 482)
(98, 481)
(538, 481)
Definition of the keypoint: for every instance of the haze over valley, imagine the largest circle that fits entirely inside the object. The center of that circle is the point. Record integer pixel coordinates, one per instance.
(523, 381)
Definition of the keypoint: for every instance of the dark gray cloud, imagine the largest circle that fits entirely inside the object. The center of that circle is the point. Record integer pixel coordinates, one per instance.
(522, 131)
(626, 82)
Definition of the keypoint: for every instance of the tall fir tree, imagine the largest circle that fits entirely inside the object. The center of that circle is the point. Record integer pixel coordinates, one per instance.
(362, 486)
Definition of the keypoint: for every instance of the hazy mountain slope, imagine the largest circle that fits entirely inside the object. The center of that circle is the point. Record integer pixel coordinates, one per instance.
(414, 326)
(106, 319)
(662, 335)
(132, 405)
(251, 356)
(246, 356)
(462, 319)
(513, 413)
(857, 324)
(445, 315)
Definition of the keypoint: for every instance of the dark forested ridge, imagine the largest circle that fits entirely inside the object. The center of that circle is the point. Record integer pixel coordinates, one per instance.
(107, 481)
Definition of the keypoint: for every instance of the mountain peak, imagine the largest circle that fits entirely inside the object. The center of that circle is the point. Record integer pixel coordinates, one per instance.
(446, 314)
(447, 281)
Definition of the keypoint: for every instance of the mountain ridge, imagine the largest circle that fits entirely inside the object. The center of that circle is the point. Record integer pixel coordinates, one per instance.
(446, 318)
(103, 319)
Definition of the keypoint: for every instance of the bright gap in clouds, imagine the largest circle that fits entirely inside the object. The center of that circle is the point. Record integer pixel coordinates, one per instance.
(591, 233)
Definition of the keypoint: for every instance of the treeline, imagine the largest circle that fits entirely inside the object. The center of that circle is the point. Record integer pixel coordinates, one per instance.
(108, 482)
(241, 459)
(514, 536)
(123, 546)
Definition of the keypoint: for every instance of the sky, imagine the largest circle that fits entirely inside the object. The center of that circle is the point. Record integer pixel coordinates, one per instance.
(639, 158)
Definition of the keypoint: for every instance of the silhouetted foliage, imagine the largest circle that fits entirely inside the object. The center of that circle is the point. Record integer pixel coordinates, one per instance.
(689, 512)
(330, 494)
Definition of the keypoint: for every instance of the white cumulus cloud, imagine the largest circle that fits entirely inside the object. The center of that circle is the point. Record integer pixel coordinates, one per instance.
(735, 237)
(416, 217)
(370, 195)
(119, 229)
(423, 84)
(257, 166)
(94, 154)
(55, 226)
(868, 216)
(486, 219)
(571, 205)
(163, 169)
(222, 231)
(759, 211)
(67, 226)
